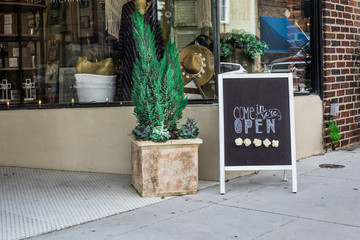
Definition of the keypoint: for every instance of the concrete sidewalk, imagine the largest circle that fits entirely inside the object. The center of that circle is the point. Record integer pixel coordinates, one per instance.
(261, 206)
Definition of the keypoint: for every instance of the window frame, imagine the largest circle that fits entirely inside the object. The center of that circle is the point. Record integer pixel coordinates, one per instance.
(224, 19)
(317, 45)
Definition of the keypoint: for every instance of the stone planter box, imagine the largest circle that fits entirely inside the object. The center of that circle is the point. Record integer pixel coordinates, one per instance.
(165, 169)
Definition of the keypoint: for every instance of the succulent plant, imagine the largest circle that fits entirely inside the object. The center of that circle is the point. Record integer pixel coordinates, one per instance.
(189, 129)
(160, 134)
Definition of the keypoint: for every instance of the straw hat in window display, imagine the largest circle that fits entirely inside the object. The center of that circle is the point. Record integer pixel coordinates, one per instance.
(196, 63)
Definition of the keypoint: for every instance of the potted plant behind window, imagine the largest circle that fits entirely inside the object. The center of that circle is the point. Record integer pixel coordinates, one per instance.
(239, 45)
(164, 158)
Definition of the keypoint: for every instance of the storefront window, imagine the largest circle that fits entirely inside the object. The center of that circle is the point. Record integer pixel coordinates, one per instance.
(66, 52)
(190, 24)
(268, 37)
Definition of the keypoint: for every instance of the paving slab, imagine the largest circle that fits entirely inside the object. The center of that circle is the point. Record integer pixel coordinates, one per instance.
(37, 201)
(260, 206)
(302, 229)
(330, 195)
(131, 221)
(209, 222)
(213, 222)
(329, 158)
(319, 198)
(350, 170)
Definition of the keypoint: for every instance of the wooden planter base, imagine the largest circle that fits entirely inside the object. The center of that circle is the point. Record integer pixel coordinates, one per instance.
(165, 169)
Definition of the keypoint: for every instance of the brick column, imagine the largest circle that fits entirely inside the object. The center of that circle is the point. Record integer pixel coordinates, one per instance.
(341, 21)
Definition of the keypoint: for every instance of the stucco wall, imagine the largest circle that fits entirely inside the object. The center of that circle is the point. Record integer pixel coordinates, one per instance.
(72, 139)
(95, 139)
(308, 125)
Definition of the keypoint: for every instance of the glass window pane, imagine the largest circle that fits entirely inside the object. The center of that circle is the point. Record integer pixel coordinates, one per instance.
(269, 37)
(189, 23)
(68, 52)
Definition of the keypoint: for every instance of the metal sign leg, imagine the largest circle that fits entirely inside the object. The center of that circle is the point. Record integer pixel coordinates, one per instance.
(294, 178)
(286, 175)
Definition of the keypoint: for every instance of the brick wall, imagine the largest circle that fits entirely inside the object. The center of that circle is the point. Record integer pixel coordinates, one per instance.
(341, 24)
(276, 8)
(272, 8)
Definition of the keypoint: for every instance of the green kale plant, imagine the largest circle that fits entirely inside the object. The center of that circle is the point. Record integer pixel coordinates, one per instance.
(189, 129)
(142, 133)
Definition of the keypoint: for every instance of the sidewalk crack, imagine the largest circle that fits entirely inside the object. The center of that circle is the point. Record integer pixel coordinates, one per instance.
(270, 231)
(293, 216)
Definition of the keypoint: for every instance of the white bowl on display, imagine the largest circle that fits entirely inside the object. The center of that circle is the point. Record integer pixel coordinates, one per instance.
(95, 88)
(93, 78)
(94, 85)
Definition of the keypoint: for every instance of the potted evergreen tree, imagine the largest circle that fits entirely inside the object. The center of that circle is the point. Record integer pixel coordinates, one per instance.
(164, 158)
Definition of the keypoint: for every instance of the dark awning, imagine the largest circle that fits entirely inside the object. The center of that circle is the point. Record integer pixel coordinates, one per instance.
(280, 34)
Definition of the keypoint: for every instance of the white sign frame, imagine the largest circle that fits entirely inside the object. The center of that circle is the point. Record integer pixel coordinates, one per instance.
(286, 168)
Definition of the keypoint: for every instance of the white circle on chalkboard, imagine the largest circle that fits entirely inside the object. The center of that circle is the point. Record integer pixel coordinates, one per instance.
(266, 143)
(239, 142)
(275, 143)
(247, 142)
(257, 142)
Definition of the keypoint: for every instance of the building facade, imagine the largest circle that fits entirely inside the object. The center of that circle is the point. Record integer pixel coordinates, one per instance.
(341, 24)
(48, 122)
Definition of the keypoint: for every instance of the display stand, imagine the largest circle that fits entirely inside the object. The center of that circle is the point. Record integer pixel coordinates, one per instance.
(20, 65)
(5, 87)
(257, 107)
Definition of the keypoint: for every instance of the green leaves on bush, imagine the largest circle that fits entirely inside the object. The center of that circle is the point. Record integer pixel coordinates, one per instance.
(244, 40)
(334, 132)
(158, 94)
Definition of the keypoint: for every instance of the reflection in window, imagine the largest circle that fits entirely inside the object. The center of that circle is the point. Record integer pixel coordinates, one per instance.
(189, 24)
(279, 38)
(83, 51)
(224, 7)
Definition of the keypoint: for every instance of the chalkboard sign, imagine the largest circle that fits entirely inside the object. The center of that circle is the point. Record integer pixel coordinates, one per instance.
(256, 121)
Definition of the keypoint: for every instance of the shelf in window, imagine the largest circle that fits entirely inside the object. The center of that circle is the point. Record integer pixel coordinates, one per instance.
(30, 37)
(15, 37)
(17, 69)
(25, 7)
